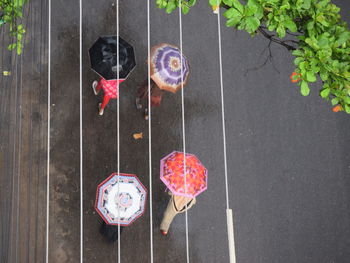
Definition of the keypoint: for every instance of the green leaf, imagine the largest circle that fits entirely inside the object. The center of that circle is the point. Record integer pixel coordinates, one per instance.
(298, 60)
(290, 25)
(281, 31)
(159, 3)
(335, 101)
(310, 76)
(185, 9)
(252, 24)
(18, 3)
(324, 75)
(304, 88)
(325, 93)
(171, 6)
(12, 46)
(238, 6)
(306, 4)
(322, 20)
(311, 27)
(343, 37)
(252, 5)
(347, 108)
(214, 2)
(298, 53)
(346, 99)
(164, 3)
(232, 13)
(233, 21)
(228, 2)
(19, 48)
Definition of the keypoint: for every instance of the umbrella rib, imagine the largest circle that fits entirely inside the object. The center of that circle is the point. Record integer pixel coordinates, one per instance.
(149, 127)
(229, 217)
(183, 131)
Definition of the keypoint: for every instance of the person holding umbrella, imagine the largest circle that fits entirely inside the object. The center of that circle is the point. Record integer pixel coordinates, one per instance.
(110, 232)
(110, 88)
(183, 189)
(104, 61)
(166, 74)
(142, 96)
(120, 200)
(177, 204)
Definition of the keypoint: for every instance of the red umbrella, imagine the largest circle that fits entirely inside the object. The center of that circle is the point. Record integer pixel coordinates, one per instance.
(172, 174)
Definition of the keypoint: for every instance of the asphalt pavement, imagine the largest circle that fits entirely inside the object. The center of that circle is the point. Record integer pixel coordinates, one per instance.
(288, 161)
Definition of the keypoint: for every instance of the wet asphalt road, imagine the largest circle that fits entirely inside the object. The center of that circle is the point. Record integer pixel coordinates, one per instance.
(288, 161)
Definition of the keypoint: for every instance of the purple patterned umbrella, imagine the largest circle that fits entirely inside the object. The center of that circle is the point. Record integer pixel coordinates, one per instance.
(166, 67)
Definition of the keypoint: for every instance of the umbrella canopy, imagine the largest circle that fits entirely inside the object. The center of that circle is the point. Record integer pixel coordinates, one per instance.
(172, 174)
(103, 57)
(166, 67)
(129, 200)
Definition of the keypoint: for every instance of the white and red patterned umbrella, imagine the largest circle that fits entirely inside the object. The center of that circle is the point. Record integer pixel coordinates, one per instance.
(121, 199)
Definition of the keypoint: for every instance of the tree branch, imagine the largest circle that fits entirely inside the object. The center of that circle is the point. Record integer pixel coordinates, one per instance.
(272, 38)
(268, 58)
(278, 41)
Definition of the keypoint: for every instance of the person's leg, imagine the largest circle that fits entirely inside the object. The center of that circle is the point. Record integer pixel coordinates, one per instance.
(104, 104)
(110, 232)
(146, 115)
(168, 217)
(103, 229)
(138, 103)
(141, 94)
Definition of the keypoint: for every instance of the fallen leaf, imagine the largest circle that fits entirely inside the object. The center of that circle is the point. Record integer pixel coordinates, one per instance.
(138, 136)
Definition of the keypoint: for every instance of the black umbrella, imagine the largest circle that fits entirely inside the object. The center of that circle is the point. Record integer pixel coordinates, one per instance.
(103, 57)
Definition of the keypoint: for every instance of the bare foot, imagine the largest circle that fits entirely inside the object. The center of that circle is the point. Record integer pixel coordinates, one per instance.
(138, 104)
(100, 111)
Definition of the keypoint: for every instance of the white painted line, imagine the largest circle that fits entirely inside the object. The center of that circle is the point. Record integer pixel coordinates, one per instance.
(230, 229)
(118, 123)
(149, 129)
(48, 135)
(183, 134)
(231, 238)
(81, 130)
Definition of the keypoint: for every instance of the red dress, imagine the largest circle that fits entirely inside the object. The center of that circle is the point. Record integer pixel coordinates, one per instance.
(110, 89)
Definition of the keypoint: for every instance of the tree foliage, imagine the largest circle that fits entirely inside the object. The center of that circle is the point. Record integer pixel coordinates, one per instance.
(11, 11)
(320, 39)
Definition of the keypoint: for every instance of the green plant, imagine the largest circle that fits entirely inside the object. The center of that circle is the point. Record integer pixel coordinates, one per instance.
(10, 12)
(311, 29)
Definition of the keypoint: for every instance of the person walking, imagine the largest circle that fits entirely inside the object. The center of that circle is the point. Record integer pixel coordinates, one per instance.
(142, 97)
(169, 71)
(110, 232)
(177, 204)
(110, 89)
(113, 59)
